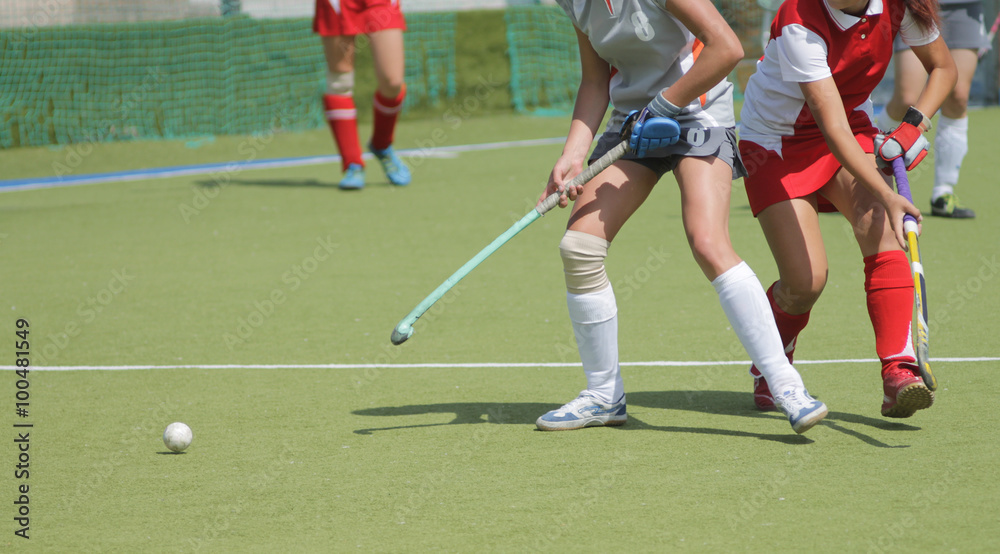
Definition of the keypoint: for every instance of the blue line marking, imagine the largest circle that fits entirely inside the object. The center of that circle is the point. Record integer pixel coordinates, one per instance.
(10, 185)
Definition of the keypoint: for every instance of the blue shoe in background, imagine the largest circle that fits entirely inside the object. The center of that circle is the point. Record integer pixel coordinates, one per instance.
(354, 178)
(395, 169)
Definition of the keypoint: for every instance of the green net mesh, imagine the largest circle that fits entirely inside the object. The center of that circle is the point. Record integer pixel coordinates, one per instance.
(196, 76)
(544, 59)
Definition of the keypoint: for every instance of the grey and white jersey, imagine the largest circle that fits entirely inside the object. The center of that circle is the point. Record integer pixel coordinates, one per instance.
(649, 50)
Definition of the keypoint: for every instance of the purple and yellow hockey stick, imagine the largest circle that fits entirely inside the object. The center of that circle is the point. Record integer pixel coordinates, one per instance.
(919, 286)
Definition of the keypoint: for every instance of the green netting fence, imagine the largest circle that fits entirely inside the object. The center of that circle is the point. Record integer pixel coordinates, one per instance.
(113, 70)
(184, 78)
(544, 59)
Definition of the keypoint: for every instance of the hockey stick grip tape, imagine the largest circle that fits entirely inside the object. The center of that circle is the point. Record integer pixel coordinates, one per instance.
(903, 186)
(584, 177)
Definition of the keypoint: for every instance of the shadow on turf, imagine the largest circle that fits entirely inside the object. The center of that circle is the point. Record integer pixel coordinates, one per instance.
(270, 183)
(738, 403)
(708, 402)
(518, 413)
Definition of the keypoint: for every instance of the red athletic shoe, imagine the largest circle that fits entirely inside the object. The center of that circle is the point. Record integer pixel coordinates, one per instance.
(762, 397)
(905, 392)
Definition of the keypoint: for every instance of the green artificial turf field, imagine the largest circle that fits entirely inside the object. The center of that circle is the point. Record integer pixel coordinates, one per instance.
(431, 446)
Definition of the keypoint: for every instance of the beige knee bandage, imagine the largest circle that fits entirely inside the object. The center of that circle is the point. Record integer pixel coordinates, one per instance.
(340, 84)
(583, 262)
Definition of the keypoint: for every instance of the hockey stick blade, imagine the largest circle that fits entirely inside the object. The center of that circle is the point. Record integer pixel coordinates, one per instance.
(404, 329)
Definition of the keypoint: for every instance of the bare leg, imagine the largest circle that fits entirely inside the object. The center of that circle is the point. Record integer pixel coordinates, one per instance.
(706, 184)
(338, 103)
(793, 234)
(956, 104)
(339, 53)
(910, 78)
(863, 211)
(611, 198)
(389, 58)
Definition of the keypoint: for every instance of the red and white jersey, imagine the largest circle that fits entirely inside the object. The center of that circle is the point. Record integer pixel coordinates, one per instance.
(811, 41)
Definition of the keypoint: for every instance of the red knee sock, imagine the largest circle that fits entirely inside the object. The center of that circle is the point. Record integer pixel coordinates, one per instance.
(386, 112)
(343, 119)
(889, 286)
(789, 326)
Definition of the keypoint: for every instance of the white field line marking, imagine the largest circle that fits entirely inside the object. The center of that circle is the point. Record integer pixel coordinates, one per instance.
(456, 366)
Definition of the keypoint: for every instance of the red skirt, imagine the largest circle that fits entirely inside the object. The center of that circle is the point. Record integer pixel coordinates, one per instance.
(804, 166)
(356, 17)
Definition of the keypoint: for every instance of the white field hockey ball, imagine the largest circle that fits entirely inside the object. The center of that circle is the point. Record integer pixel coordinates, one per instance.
(177, 436)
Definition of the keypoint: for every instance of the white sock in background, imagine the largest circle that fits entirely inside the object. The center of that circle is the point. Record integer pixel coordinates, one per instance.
(595, 324)
(951, 144)
(749, 312)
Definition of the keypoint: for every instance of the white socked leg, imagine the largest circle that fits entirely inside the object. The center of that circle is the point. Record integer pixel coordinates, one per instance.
(749, 312)
(951, 144)
(594, 317)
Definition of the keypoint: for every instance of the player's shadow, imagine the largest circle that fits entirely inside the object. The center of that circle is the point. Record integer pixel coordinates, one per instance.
(270, 183)
(741, 404)
(517, 413)
(713, 402)
(524, 413)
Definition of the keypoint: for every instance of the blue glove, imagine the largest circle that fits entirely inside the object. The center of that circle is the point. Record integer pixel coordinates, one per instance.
(647, 132)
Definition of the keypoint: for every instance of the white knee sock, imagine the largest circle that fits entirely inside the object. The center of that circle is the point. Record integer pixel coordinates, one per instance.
(951, 144)
(595, 324)
(749, 312)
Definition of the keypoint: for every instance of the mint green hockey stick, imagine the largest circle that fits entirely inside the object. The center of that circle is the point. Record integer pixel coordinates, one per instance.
(404, 329)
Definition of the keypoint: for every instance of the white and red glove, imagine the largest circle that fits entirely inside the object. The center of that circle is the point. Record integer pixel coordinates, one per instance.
(907, 141)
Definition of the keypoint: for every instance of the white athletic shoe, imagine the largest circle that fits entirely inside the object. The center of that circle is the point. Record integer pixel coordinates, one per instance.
(803, 411)
(585, 410)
